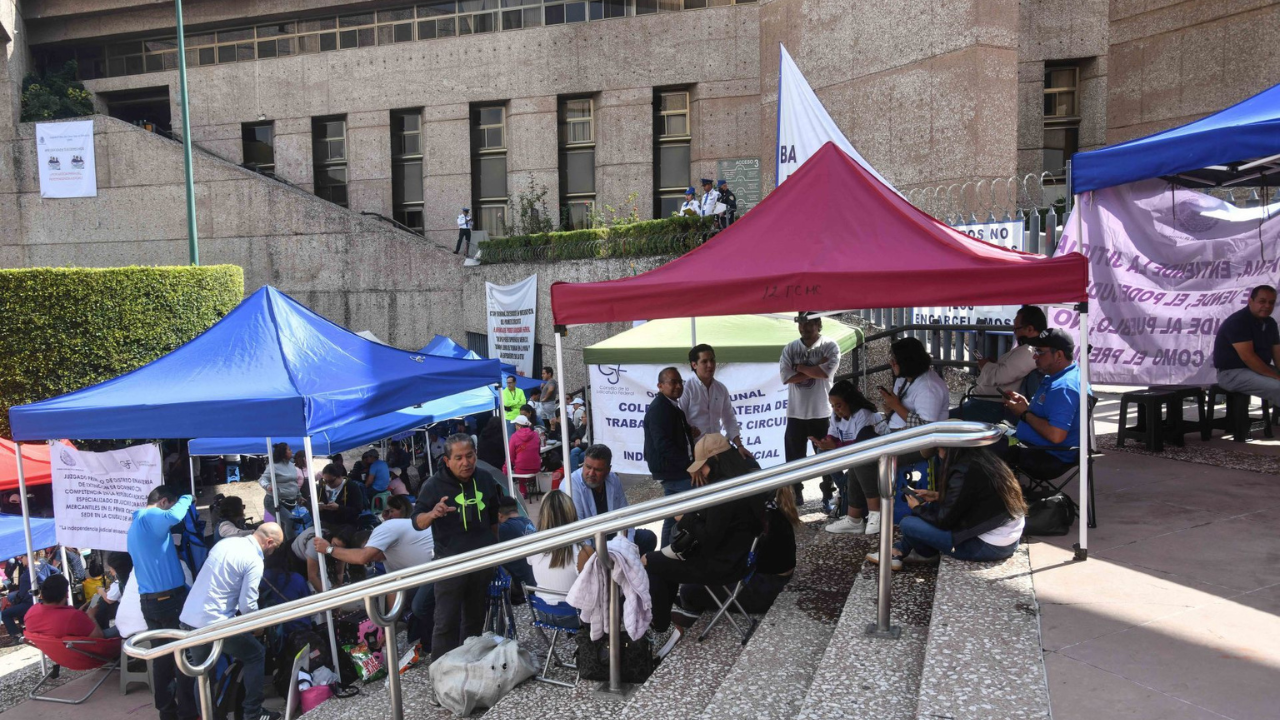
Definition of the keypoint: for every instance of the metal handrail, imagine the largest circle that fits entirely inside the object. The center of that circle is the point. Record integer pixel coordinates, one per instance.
(941, 434)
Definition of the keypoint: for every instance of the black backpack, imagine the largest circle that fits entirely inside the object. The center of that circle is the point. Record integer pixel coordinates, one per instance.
(1053, 515)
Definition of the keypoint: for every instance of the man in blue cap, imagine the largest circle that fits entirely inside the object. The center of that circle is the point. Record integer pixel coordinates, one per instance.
(709, 198)
(464, 231)
(690, 205)
(730, 202)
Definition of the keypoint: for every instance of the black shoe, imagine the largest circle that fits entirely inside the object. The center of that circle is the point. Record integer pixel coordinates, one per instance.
(799, 493)
(269, 715)
(688, 617)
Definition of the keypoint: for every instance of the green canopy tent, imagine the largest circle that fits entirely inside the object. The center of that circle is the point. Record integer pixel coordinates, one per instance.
(736, 338)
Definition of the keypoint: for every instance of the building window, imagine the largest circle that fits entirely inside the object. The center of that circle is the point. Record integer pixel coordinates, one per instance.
(258, 141)
(1061, 116)
(478, 343)
(489, 167)
(406, 168)
(672, 137)
(329, 147)
(577, 162)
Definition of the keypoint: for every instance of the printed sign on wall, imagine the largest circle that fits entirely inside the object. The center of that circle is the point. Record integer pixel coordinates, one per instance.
(64, 152)
(512, 311)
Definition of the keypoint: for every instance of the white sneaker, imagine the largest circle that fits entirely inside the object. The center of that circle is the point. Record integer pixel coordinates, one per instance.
(873, 522)
(847, 526)
(676, 634)
(894, 563)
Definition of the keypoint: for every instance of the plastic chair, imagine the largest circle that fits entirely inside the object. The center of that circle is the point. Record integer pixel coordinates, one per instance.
(130, 677)
(529, 485)
(731, 600)
(1038, 484)
(75, 654)
(561, 618)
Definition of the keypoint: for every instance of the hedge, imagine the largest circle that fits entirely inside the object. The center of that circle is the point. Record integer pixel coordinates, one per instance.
(62, 329)
(674, 235)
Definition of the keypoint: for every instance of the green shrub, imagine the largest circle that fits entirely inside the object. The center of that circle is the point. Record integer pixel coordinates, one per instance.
(668, 236)
(55, 95)
(62, 329)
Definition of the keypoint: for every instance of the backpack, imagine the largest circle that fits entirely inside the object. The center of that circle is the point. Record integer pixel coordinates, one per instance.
(194, 549)
(1053, 515)
(228, 689)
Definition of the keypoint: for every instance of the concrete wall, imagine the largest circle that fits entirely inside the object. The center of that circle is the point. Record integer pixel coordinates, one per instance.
(926, 91)
(1173, 62)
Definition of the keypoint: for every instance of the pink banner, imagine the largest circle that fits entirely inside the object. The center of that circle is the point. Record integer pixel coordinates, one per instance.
(1166, 266)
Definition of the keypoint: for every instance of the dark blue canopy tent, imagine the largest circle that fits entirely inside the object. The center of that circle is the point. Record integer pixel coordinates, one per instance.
(271, 367)
(441, 346)
(1236, 146)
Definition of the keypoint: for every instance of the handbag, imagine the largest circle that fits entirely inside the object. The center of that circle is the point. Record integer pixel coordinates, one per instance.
(683, 545)
(592, 658)
(479, 673)
(1053, 515)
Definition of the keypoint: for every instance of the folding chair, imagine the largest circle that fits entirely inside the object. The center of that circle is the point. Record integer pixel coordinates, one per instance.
(559, 618)
(75, 654)
(731, 599)
(1041, 484)
(499, 618)
(528, 484)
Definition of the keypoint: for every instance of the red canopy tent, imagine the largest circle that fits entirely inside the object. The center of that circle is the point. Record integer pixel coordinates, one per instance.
(831, 237)
(35, 462)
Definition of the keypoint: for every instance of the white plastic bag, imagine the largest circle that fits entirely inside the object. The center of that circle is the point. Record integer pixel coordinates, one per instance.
(479, 673)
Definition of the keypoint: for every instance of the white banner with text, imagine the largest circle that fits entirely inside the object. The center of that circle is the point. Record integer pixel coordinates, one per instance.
(96, 493)
(620, 395)
(512, 311)
(1166, 267)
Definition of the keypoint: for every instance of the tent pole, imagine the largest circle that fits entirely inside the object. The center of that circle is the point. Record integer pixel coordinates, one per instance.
(191, 471)
(271, 470)
(324, 570)
(506, 451)
(1086, 434)
(66, 569)
(26, 523)
(693, 331)
(564, 424)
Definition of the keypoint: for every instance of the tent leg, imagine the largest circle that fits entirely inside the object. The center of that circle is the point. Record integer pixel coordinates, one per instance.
(191, 471)
(26, 525)
(324, 570)
(66, 568)
(506, 451)
(1086, 433)
(693, 331)
(275, 494)
(564, 424)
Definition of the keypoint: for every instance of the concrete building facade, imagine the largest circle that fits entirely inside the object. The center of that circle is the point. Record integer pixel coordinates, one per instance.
(412, 110)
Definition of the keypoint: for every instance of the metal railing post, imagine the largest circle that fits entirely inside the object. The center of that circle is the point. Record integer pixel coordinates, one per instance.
(201, 674)
(614, 686)
(391, 652)
(881, 627)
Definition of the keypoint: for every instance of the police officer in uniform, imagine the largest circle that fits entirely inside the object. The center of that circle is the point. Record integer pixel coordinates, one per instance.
(465, 222)
(690, 203)
(731, 203)
(709, 199)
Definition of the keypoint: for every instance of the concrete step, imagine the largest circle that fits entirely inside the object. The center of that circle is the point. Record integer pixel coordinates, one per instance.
(983, 658)
(772, 675)
(863, 677)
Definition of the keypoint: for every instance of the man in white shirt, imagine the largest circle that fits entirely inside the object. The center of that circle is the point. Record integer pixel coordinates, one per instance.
(807, 366)
(710, 196)
(705, 401)
(228, 583)
(1005, 374)
(397, 545)
(465, 224)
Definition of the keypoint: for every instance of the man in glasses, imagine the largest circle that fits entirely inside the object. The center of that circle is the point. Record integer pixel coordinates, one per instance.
(1051, 419)
(1006, 373)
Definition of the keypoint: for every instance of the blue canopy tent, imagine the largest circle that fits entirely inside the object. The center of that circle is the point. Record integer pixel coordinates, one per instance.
(441, 346)
(13, 541)
(270, 367)
(1236, 146)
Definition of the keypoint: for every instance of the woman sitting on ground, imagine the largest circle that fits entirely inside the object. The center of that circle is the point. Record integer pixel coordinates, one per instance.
(775, 561)
(977, 513)
(557, 570)
(853, 420)
(715, 542)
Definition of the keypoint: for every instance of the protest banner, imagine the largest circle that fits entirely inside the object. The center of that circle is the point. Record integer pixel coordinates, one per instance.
(96, 493)
(512, 313)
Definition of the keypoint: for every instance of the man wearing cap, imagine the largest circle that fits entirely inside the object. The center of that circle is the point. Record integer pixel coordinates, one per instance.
(464, 231)
(1052, 418)
(730, 201)
(709, 198)
(668, 440)
(690, 205)
(807, 367)
(576, 410)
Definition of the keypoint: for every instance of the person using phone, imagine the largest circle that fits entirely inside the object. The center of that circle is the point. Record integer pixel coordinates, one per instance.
(853, 419)
(1004, 374)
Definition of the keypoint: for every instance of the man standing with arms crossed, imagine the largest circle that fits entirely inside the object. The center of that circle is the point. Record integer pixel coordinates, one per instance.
(162, 588)
(807, 367)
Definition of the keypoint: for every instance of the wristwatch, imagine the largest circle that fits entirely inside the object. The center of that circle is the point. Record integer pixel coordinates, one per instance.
(328, 550)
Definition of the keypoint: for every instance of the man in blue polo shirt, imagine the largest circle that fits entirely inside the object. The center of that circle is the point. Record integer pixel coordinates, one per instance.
(378, 478)
(162, 589)
(1246, 349)
(1052, 418)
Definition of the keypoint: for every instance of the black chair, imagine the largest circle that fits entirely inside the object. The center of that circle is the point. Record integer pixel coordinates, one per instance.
(731, 601)
(1044, 485)
(1236, 421)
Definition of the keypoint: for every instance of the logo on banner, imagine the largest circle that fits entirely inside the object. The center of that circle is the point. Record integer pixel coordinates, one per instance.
(614, 375)
(67, 459)
(417, 358)
(127, 464)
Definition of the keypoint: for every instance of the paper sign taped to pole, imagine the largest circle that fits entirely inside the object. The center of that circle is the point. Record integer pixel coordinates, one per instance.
(96, 493)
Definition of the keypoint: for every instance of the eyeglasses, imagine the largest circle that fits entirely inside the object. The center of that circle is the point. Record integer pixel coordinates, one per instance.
(1016, 328)
(1041, 351)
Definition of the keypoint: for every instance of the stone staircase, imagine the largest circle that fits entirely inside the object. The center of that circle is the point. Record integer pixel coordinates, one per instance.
(969, 649)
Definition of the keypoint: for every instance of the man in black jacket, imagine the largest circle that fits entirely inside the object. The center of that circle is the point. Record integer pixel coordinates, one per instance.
(668, 441)
(460, 505)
